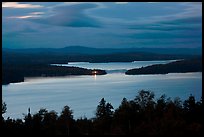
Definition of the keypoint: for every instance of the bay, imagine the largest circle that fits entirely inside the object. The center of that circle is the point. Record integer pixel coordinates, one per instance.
(83, 93)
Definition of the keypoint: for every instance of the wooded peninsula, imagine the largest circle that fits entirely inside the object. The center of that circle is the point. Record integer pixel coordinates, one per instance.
(180, 66)
(20, 63)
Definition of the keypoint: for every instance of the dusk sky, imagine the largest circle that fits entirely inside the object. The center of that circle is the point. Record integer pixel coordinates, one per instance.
(101, 24)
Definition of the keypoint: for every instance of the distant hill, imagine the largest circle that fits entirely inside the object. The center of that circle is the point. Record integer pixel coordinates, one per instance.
(99, 51)
(97, 55)
(18, 63)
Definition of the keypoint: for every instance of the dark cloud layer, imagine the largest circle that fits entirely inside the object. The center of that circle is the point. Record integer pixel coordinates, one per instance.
(70, 15)
(143, 24)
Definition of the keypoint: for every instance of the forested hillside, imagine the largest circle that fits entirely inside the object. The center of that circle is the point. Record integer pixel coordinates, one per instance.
(181, 66)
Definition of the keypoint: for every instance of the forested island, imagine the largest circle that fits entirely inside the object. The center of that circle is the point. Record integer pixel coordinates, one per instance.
(13, 73)
(144, 115)
(180, 66)
(20, 63)
(102, 68)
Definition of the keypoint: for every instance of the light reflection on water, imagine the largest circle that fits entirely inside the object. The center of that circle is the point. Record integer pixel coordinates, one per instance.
(115, 65)
(83, 93)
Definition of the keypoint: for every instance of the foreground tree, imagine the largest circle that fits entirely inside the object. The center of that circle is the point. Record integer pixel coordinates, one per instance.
(104, 116)
(145, 99)
(125, 117)
(104, 110)
(4, 108)
(146, 103)
(141, 116)
(66, 120)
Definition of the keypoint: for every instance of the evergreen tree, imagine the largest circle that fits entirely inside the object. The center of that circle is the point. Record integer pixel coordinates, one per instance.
(104, 110)
(104, 116)
(4, 108)
(66, 120)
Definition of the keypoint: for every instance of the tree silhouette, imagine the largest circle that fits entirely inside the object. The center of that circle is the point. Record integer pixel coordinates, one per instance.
(4, 108)
(28, 122)
(145, 99)
(124, 116)
(66, 120)
(104, 116)
(141, 116)
(101, 109)
(104, 110)
(146, 103)
(161, 104)
(50, 120)
(190, 103)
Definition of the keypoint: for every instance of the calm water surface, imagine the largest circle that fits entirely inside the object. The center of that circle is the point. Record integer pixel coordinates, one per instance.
(83, 93)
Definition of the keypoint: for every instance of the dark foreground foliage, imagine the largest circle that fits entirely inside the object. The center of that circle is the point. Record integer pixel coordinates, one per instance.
(144, 115)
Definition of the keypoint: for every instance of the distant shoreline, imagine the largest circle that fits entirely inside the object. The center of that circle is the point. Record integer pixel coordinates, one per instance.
(17, 64)
(192, 65)
(180, 66)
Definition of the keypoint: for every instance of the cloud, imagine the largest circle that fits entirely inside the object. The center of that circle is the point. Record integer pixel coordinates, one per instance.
(152, 2)
(19, 5)
(132, 25)
(121, 2)
(37, 13)
(70, 16)
(23, 17)
(30, 15)
(191, 9)
(193, 23)
(74, 3)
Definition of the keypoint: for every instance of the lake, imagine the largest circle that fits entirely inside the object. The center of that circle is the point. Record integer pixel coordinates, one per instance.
(113, 67)
(83, 93)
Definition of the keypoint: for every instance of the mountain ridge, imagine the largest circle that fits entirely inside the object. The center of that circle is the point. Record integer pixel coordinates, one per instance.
(99, 51)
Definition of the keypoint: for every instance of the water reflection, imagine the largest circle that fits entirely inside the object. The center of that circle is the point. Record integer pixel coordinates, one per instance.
(94, 76)
(111, 66)
(83, 93)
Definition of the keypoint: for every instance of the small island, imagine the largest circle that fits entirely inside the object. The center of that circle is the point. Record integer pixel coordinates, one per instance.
(180, 66)
(17, 64)
(13, 74)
